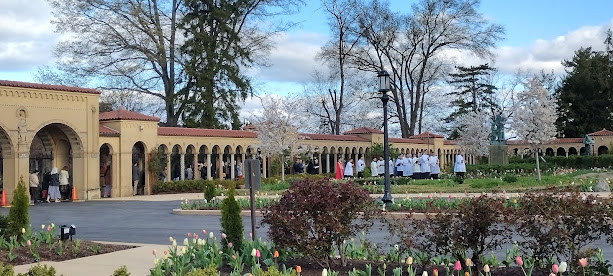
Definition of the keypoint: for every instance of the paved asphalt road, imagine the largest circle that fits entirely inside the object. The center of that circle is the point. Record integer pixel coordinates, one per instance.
(152, 222)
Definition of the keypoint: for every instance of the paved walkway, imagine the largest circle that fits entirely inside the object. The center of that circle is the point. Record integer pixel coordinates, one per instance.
(132, 222)
(138, 261)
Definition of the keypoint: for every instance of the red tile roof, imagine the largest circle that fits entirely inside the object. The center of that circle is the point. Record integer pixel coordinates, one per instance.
(449, 142)
(603, 132)
(122, 114)
(313, 136)
(567, 140)
(363, 130)
(47, 87)
(202, 132)
(517, 142)
(426, 135)
(106, 131)
(407, 140)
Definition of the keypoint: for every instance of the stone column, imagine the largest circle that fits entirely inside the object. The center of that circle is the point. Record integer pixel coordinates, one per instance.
(208, 167)
(182, 177)
(220, 166)
(264, 174)
(232, 172)
(319, 159)
(328, 163)
(168, 176)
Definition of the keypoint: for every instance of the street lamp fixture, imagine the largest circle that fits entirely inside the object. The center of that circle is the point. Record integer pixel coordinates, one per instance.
(384, 87)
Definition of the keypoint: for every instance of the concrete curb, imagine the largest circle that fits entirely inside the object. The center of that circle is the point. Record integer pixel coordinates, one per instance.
(258, 213)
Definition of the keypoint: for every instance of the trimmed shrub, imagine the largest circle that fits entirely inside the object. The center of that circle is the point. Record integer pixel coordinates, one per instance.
(193, 186)
(6, 270)
(209, 271)
(4, 224)
(509, 178)
(231, 222)
(210, 191)
(40, 270)
(313, 217)
(122, 271)
(18, 214)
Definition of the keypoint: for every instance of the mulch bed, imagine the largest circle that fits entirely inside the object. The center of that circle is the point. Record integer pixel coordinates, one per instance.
(86, 249)
(310, 268)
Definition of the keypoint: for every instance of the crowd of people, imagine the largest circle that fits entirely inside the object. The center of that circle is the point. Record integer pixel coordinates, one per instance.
(424, 165)
(53, 187)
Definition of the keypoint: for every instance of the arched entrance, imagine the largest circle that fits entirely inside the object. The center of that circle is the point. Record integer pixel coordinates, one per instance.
(6, 151)
(56, 145)
(175, 163)
(138, 157)
(106, 172)
(603, 150)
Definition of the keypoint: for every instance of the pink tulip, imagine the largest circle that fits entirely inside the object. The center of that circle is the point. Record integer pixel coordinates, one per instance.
(458, 266)
(48, 228)
(229, 245)
(233, 257)
(250, 235)
(154, 252)
(223, 235)
(552, 274)
(28, 243)
(195, 236)
(583, 262)
(189, 235)
(203, 232)
(257, 253)
(519, 261)
(554, 268)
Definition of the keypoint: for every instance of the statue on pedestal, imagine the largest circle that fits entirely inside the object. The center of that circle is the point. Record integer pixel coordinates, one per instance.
(497, 137)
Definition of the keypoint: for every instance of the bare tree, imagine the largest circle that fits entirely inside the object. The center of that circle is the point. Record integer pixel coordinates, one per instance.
(409, 44)
(342, 18)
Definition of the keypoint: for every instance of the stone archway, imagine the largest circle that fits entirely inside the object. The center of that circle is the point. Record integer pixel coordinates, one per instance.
(106, 170)
(138, 157)
(57, 145)
(175, 163)
(6, 152)
(603, 150)
(572, 151)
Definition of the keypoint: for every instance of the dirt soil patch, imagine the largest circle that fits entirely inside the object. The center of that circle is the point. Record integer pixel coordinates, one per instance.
(53, 253)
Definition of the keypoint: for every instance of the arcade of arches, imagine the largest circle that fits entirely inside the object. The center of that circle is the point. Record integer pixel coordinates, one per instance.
(57, 126)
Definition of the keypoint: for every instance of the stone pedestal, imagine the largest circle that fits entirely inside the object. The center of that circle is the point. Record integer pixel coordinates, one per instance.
(498, 155)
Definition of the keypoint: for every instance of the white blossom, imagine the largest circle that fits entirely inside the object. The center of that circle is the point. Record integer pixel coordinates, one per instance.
(535, 116)
(475, 136)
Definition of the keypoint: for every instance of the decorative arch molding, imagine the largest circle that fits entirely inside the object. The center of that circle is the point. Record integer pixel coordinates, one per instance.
(75, 140)
(8, 149)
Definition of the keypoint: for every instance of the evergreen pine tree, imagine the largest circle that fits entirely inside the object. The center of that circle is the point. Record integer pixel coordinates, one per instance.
(18, 214)
(231, 222)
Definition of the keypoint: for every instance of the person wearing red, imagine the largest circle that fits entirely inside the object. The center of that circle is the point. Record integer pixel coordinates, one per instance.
(340, 169)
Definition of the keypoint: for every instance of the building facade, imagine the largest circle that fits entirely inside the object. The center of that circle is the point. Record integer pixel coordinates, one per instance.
(47, 126)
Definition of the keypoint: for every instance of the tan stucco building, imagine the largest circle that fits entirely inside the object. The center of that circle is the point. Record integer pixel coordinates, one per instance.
(45, 126)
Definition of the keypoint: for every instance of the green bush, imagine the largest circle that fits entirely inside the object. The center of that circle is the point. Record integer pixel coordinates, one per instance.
(272, 271)
(6, 270)
(18, 214)
(509, 178)
(313, 217)
(210, 191)
(209, 271)
(4, 224)
(231, 222)
(39, 270)
(122, 271)
(193, 186)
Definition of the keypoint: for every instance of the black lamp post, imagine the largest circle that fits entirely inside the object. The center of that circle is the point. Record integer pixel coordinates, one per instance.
(384, 87)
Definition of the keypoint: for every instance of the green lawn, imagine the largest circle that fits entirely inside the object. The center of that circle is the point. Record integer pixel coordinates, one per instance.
(470, 185)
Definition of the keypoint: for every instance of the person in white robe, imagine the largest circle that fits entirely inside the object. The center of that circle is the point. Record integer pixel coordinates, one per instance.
(416, 167)
(374, 167)
(390, 165)
(425, 165)
(399, 165)
(435, 168)
(381, 166)
(459, 167)
(360, 166)
(407, 163)
(349, 169)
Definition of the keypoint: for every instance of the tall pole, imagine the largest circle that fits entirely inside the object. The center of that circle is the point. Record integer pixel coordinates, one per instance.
(387, 196)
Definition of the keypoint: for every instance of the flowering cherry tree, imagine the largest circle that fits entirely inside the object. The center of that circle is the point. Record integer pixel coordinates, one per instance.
(534, 117)
(277, 134)
(475, 135)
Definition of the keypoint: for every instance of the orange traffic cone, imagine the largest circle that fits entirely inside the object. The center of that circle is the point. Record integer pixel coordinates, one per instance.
(74, 194)
(3, 199)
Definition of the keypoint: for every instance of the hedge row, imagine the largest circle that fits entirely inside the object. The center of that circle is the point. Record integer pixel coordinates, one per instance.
(192, 186)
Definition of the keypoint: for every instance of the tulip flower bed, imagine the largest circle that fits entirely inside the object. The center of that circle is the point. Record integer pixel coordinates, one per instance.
(32, 247)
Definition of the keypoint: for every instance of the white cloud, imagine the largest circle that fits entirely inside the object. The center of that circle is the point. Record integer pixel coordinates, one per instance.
(294, 57)
(26, 34)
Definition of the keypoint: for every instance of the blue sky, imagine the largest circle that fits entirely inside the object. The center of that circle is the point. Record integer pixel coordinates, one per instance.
(539, 34)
